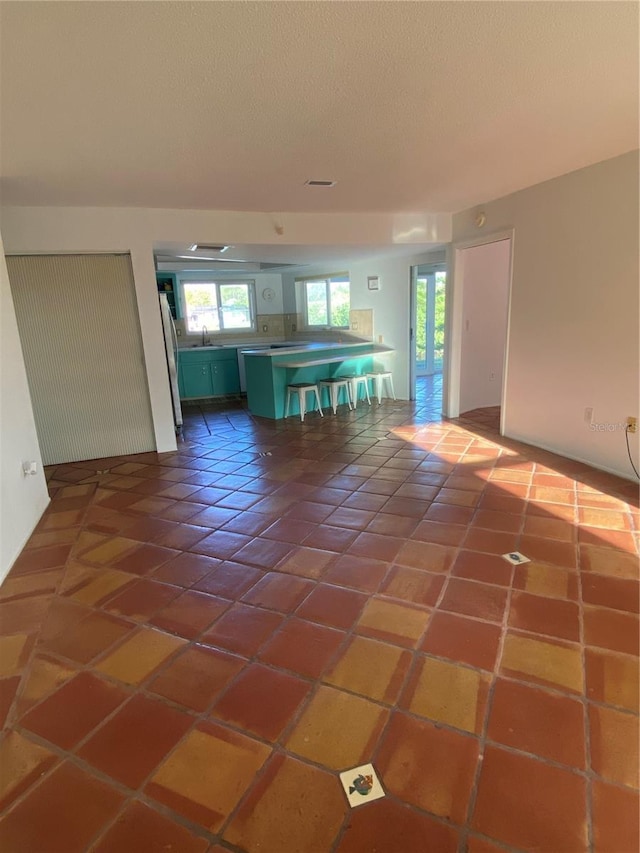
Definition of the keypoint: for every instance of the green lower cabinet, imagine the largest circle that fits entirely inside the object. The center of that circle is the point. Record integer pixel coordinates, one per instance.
(226, 379)
(208, 373)
(196, 380)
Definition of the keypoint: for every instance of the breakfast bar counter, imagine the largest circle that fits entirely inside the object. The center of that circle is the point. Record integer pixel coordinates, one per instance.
(270, 371)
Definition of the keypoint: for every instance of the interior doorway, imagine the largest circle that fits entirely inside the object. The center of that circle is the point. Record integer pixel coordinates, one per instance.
(428, 312)
(479, 320)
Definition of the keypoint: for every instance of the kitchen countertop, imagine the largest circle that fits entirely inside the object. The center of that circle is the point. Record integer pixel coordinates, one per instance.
(247, 345)
(301, 346)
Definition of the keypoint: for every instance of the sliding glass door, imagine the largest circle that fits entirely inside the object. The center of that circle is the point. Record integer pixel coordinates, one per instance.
(429, 324)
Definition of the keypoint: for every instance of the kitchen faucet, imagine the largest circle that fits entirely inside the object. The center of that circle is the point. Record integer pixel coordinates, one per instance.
(204, 332)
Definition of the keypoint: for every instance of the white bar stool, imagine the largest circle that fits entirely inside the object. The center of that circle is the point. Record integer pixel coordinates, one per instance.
(301, 389)
(378, 379)
(333, 386)
(357, 382)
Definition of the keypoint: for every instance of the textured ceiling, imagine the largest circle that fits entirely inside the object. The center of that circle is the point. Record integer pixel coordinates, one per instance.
(234, 105)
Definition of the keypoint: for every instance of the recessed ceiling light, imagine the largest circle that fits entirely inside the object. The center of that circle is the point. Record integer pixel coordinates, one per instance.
(320, 183)
(207, 247)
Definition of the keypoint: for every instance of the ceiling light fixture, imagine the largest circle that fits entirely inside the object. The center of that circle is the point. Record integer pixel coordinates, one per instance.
(320, 183)
(207, 247)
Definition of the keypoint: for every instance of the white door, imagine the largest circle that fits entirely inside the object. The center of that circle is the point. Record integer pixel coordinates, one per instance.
(80, 335)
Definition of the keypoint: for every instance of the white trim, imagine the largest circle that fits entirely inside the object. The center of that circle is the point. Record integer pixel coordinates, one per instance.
(565, 455)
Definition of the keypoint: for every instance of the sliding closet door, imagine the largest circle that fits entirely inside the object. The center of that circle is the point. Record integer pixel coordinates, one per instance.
(80, 333)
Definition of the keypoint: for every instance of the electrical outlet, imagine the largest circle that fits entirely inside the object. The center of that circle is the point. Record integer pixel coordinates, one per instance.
(492, 376)
(588, 415)
(632, 424)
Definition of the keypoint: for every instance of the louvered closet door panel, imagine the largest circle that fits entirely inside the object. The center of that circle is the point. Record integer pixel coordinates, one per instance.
(80, 334)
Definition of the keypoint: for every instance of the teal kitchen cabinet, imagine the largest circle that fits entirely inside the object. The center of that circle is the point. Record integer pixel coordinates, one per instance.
(168, 285)
(208, 372)
(195, 380)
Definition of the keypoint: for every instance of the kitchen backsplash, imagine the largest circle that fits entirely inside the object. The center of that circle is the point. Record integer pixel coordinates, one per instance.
(286, 327)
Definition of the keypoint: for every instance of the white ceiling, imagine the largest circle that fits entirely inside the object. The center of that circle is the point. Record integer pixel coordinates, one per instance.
(234, 105)
(284, 258)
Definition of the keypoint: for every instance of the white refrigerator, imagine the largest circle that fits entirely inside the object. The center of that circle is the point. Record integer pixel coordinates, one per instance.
(171, 349)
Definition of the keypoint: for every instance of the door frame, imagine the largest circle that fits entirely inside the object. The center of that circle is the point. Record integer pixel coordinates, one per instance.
(454, 319)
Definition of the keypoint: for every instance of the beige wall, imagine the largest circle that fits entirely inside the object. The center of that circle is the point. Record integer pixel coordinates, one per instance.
(573, 337)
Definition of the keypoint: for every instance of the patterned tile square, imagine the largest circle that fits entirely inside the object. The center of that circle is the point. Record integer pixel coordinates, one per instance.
(134, 741)
(208, 773)
(337, 729)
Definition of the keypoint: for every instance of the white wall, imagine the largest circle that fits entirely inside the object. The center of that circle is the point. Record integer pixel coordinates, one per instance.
(573, 337)
(22, 499)
(484, 275)
(137, 230)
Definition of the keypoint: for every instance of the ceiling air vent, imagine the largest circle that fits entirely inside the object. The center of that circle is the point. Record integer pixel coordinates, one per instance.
(320, 183)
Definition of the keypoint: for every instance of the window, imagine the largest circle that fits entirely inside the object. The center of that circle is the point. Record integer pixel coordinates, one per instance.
(327, 301)
(217, 306)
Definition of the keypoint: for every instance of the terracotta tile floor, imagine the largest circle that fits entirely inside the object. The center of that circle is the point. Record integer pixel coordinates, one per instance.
(194, 645)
